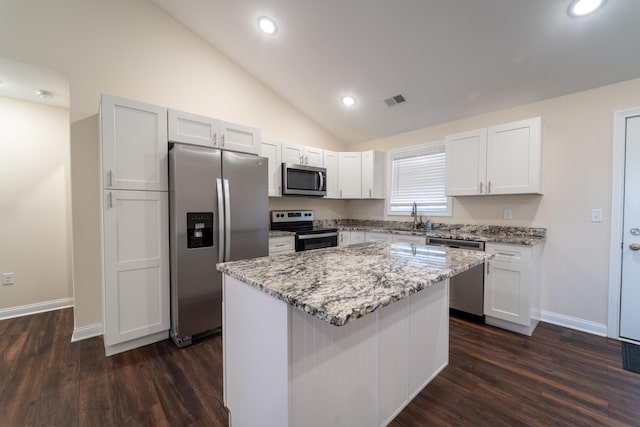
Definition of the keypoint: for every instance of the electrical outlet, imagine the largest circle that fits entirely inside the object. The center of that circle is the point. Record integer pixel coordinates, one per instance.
(596, 215)
(508, 214)
(7, 278)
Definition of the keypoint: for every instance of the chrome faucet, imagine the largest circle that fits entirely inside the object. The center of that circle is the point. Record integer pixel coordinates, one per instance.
(414, 214)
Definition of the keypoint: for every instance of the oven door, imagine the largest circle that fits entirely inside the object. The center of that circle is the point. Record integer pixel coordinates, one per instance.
(307, 242)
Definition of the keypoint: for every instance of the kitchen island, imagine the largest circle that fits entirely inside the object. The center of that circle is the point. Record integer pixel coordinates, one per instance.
(339, 336)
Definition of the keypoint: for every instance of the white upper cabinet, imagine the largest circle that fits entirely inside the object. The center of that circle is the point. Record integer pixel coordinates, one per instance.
(134, 145)
(302, 155)
(206, 131)
(331, 163)
(350, 175)
(193, 129)
(373, 175)
(272, 150)
(239, 138)
(504, 159)
(514, 158)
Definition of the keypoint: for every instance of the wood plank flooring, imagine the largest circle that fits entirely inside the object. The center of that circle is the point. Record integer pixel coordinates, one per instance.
(495, 378)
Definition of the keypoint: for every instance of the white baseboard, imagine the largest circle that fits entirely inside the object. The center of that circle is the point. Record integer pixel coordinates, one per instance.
(39, 307)
(84, 332)
(574, 323)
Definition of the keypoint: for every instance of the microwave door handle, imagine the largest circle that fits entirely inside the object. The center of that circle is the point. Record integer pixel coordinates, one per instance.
(321, 181)
(227, 225)
(220, 221)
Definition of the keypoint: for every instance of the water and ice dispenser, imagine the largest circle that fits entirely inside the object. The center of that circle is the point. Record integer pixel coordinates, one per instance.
(199, 230)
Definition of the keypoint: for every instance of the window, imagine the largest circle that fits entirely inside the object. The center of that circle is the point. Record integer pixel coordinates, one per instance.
(418, 175)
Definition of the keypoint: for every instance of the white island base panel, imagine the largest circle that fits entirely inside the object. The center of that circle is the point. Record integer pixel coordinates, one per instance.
(284, 367)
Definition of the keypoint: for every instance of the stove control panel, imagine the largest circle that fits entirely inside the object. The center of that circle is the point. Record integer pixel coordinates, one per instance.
(291, 216)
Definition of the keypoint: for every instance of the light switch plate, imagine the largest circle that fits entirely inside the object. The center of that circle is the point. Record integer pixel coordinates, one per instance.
(7, 278)
(596, 215)
(508, 214)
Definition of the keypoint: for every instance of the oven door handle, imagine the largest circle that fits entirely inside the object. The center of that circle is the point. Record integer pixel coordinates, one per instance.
(317, 236)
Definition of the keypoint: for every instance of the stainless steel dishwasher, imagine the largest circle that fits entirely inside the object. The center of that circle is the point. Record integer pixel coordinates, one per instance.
(466, 294)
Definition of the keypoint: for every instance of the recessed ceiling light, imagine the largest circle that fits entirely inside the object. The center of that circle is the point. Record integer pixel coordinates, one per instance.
(44, 94)
(349, 101)
(579, 8)
(267, 25)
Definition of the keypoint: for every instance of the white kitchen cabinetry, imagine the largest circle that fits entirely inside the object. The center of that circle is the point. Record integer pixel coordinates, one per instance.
(209, 132)
(402, 238)
(272, 150)
(136, 268)
(372, 236)
(331, 164)
(511, 287)
(356, 237)
(344, 238)
(372, 175)
(350, 175)
(503, 159)
(302, 155)
(281, 245)
(134, 145)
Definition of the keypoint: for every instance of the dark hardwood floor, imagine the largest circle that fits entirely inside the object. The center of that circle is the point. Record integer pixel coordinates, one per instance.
(494, 378)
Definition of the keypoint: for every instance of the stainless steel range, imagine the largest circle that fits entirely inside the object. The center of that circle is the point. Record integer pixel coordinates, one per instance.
(308, 237)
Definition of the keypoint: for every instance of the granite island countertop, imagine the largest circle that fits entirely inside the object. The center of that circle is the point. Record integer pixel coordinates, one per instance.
(338, 285)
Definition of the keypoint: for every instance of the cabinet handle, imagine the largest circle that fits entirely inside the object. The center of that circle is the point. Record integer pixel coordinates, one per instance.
(222, 140)
(110, 178)
(301, 159)
(306, 160)
(480, 187)
(341, 237)
(505, 254)
(369, 193)
(215, 139)
(488, 268)
(341, 194)
(110, 200)
(489, 187)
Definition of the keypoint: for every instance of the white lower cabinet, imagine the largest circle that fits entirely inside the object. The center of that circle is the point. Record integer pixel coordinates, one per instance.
(281, 245)
(356, 237)
(511, 287)
(344, 238)
(136, 267)
(372, 236)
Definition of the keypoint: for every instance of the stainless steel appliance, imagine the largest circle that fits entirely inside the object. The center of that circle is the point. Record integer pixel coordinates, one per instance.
(307, 237)
(301, 180)
(218, 212)
(466, 290)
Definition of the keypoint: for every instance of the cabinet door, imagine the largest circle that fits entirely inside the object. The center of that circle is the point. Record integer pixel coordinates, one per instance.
(356, 237)
(292, 153)
(514, 158)
(281, 245)
(466, 163)
(314, 157)
(507, 288)
(372, 175)
(331, 163)
(399, 238)
(193, 129)
(272, 150)
(134, 145)
(136, 262)
(240, 138)
(350, 175)
(344, 238)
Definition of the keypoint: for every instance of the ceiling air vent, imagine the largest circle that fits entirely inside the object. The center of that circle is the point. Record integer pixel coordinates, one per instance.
(394, 100)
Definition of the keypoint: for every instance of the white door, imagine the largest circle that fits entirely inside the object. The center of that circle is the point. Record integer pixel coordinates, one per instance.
(292, 153)
(193, 129)
(630, 292)
(134, 145)
(136, 258)
(272, 150)
(239, 138)
(331, 164)
(350, 175)
(466, 163)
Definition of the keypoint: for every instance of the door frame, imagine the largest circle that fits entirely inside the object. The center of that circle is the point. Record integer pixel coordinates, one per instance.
(617, 210)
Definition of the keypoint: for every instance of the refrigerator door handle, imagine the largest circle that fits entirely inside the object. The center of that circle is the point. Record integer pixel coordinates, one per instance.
(220, 221)
(227, 225)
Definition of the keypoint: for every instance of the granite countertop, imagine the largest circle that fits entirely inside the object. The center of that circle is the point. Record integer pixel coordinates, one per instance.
(490, 234)
(338, 285)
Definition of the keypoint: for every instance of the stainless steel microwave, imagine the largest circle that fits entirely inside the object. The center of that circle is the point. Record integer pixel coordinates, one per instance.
(302, 180)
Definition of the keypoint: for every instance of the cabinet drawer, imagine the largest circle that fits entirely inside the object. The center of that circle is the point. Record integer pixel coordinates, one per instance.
(516, 254)
(281, 244)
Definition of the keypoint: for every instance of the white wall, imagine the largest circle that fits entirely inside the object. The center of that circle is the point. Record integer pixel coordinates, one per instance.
(577, 155)
(35, 226)
(131, 48)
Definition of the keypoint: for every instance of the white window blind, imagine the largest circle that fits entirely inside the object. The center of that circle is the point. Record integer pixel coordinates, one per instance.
(418, 175)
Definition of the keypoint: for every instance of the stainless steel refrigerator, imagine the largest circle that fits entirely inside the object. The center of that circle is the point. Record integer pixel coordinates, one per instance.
(218, 212)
